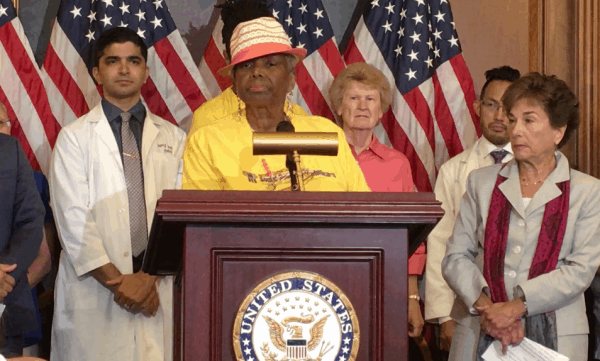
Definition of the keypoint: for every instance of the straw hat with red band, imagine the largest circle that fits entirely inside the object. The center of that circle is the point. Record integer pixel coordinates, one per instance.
(259, 37)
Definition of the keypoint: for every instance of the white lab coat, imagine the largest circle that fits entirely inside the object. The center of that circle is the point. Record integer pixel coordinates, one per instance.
(90, 205)
(449, 190)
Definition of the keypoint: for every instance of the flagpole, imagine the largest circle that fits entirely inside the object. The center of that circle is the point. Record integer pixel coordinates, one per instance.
(16, 4)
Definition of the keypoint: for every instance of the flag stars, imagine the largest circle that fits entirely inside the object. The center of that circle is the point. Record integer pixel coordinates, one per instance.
(289, 3)
(123, 25)
(440, 16)
(437, 34)
(443, 1)
(301, 28)
(345, 349)
(158, 3)
(387, 26)
(415, 37)
(289, 20)
(418, 19)
(453, 25)
(420, 2)
(342, 358)
(411, 74)
(108, 3)
(398, 51)
(76, 11)
(301, 45)
(156, 22)
(302, 8)
(347, 341)
(430, 44)
(436, 52)
(247, 351)
(401, 31)
(90, 35)
(92, 16)
(429, 26)
(429, 62)
(374, 3)
(141, 15)
(140, 33)
(413, 56)
(453, 41)
(318, 33)
(246, 342)
(319, 14)
(276, 14)
(402, 14)
(390, 8)
(106, 20)
(3, 11)
(124, 9)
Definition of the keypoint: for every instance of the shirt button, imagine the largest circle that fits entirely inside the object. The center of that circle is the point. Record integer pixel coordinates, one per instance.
(512, 274)
(521, 223)
(126, 254)
(517, 249)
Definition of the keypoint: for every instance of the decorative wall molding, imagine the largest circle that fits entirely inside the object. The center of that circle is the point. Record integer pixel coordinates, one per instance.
(588, 79)
(564, 39)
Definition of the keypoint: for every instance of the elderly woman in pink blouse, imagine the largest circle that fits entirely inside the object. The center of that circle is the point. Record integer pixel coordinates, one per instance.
(359, 95)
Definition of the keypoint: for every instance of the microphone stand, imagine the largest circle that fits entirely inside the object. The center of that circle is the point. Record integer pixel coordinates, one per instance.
(293, 164)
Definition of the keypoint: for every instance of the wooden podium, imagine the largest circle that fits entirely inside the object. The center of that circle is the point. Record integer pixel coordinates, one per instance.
(223, 244)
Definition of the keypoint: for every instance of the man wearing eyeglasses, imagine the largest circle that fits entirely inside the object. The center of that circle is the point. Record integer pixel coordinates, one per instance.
(492, 147)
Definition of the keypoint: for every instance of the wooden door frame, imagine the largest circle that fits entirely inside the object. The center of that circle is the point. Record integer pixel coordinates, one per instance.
(564, 39)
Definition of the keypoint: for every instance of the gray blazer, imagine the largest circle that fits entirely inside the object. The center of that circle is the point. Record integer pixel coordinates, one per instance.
(560, 290)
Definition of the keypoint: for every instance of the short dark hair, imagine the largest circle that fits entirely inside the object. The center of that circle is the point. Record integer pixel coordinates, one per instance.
(503, 73)
(234, 12)
(554, 96)
(118, 35)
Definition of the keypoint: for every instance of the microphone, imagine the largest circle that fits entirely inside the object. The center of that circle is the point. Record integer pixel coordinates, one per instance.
(287, 127)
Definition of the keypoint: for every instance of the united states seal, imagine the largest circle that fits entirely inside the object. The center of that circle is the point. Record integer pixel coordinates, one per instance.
(296, 316)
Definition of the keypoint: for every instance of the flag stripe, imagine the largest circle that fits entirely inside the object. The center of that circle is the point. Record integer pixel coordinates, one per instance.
(65, 84)
(465, 80)
(29, 76)
(445, 120)
(215, 61)
(311, 93)
(17, 131)
(330, 51)
(155, 102)
(74, 64)
(179, 73)
(440, 150)
(25, 113)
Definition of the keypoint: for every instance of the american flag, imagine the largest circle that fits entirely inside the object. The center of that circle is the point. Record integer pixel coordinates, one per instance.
(307, 24)
(22, 91)
(172, 90)
(415, 44)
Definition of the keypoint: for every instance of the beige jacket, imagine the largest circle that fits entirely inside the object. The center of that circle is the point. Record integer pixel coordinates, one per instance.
(560, 290)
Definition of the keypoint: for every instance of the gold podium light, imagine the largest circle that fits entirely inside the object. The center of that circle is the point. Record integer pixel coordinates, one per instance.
(313, 143)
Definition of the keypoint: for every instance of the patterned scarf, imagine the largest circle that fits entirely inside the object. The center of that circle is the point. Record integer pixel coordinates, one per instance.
(540, 328)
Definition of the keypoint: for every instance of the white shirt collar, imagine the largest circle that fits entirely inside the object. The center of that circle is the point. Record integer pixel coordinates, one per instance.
(486, 147)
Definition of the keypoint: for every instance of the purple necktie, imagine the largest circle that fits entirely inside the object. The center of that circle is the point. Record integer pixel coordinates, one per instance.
(498, 155)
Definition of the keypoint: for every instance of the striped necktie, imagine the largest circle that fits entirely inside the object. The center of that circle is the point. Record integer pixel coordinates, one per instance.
(132, 166)
(498, 155)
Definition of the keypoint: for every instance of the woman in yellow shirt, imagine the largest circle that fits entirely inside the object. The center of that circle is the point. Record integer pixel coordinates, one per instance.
(218, 154)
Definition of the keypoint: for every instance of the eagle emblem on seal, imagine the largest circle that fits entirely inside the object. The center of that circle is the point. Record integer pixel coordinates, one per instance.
(296, 316)
(296, 346)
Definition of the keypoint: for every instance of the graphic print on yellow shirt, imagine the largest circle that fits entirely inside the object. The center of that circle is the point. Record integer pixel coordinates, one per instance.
(219, 156)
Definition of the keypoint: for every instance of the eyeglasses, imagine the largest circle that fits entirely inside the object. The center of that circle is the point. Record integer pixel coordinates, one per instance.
(493, 106)
(5, 122)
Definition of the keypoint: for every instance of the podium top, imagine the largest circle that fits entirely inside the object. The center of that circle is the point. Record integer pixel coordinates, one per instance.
(418, 212)
(277, 207)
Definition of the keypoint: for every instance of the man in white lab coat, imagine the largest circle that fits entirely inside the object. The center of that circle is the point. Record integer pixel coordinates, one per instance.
(105, 307)
(450, 188)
